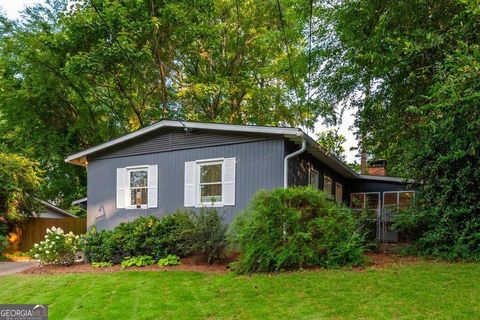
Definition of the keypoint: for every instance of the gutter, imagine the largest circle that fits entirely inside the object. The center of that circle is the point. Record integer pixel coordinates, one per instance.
(291, 155)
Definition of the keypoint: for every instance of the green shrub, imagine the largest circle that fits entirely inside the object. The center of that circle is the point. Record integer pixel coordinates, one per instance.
(170, 260)
(144, 236)
(101, 264)
(99, 246)
(209, 239)
(57, 248)
(293, 228)
(138, 261)
(137, 237)
(174, 235)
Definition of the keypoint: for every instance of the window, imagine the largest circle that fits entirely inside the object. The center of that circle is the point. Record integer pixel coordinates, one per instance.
(210, 182)
(327, 186)
(313, 178)
(365, 201)
(137, 187)
(338, 192)
(397, 200)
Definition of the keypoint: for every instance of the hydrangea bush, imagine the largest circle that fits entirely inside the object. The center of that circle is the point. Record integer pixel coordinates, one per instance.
(57, 248)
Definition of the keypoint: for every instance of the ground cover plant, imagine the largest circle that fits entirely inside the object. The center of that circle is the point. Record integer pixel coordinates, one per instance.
(293, 228)
(418, 291)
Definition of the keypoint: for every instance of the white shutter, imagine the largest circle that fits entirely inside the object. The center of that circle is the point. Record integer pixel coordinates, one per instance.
(121, 187)
(229, 182)
(152, 186)
(189, 191)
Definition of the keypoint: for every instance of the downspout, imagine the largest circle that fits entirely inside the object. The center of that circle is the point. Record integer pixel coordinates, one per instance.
(287, 157)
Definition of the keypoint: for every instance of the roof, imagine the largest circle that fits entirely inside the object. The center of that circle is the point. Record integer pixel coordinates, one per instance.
(57, 209)
(293, 134)
(79, 201)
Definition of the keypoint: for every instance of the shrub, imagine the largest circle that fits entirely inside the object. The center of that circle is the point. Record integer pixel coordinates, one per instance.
(99, 246)
(174, 235)
(57, 248)
(209, 239)
(138, 261)
(144, 236)
(170, 260)
(296, 227)
(101, 264)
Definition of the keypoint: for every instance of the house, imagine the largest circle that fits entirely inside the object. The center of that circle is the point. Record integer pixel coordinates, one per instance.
(48, 210)
(175, 164)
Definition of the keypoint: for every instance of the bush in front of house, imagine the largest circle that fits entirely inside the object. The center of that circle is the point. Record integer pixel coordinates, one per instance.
(57, 248)
(181, 233)
(293, 228)
(209, 236)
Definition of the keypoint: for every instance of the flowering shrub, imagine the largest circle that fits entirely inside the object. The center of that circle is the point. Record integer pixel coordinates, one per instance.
(57, 248)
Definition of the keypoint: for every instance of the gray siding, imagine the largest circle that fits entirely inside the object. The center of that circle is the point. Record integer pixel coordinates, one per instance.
(259, 165)
(163, 140)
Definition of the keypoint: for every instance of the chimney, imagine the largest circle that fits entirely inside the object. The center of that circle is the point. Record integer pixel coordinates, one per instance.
(363, 162)
(378, 168)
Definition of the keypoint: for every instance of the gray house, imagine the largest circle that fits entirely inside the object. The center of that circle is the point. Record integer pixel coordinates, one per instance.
(176, 164)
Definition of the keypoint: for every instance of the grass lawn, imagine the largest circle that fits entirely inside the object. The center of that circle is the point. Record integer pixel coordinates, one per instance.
(421, 291)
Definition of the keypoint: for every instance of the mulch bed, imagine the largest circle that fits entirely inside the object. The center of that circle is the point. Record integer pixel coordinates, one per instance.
(187, 264)
(376, 261)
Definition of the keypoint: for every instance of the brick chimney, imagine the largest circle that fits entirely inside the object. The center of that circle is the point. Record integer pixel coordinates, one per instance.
(378, 168)
(363, 162)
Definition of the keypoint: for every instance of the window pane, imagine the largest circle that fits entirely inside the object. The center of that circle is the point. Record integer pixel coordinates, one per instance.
(138, 178)
(211, 193)
(339, 192)
(327, 185)
(372, 201)
(358, 201)
(211, 173)
(406, 199)
(314, 178)
(390, 199)
(138, 196)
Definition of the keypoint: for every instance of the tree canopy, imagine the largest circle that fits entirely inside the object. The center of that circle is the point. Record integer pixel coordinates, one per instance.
(75, 74)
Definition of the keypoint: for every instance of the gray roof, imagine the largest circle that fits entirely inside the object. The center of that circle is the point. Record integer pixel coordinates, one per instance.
(56, 209)
(293, 134)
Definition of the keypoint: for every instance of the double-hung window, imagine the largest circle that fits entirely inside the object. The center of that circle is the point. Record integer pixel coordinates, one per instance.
(137, 187)
(210, 182)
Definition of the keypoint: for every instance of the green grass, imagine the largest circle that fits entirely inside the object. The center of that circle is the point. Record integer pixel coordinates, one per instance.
(423, 291)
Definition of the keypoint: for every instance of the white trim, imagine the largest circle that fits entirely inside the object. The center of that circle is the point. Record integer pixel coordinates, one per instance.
(198, 198)
(128, 205)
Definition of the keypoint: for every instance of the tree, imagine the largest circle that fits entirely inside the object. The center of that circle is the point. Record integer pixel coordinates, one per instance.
(20, 180)
(76, 74)
(411, 68)
(332, 142)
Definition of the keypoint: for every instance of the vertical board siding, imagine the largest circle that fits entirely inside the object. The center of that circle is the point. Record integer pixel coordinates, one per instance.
(35, 229)
(259, 165)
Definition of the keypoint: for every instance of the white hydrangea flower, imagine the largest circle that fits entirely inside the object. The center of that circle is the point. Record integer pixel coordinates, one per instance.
(54, 229)
(35, 245)
(37, 256)
(57, 237)
(59, 231)
(49, 231)
(70, 233)
(47, 240)
(47, 252)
